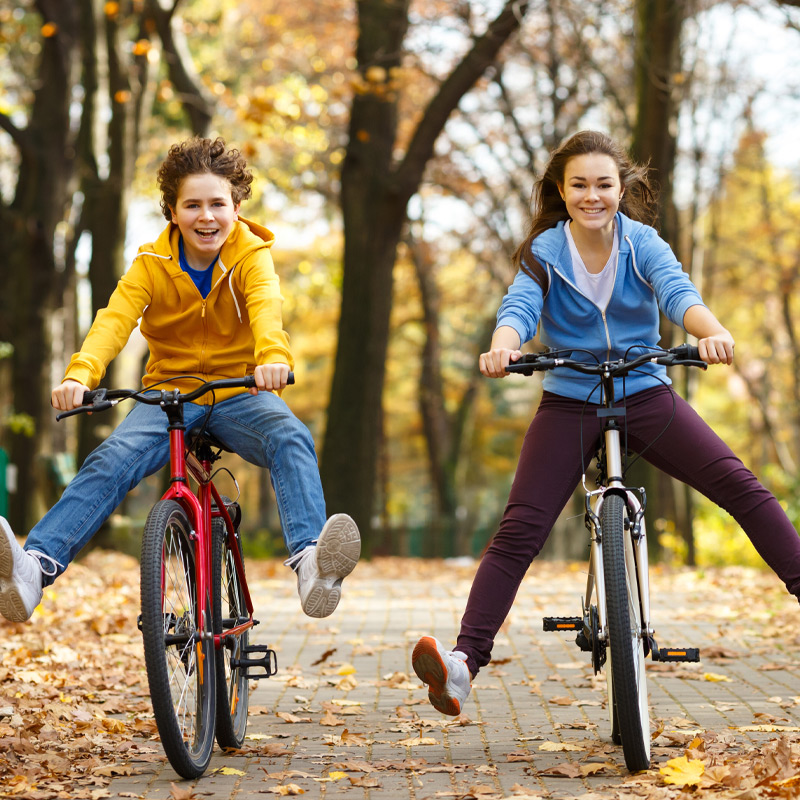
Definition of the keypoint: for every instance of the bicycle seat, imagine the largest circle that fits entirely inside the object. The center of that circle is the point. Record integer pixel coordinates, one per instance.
(199, 436)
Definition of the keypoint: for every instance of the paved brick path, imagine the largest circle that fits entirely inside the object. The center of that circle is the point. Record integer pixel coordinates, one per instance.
(354, 670)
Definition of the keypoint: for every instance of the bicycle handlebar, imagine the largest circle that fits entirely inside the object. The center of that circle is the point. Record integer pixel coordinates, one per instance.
(101, 399)
(683, 355)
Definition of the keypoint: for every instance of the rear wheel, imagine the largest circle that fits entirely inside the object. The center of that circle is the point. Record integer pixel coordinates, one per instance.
(233, 695)
(176, 641)
(627, 685)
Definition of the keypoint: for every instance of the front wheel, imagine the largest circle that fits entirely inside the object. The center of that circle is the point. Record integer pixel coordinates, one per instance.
(178, 642)
(233, 694)
(625, 668)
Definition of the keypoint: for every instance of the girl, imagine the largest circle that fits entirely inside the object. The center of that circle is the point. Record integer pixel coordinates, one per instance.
(593, 275)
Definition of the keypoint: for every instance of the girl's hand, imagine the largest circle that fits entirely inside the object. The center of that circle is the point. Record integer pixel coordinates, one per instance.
(493, 364)
(68, 395)
(270, 377)
(717, 349)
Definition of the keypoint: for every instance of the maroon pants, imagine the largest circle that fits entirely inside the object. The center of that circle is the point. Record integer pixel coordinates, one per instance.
(550, 467)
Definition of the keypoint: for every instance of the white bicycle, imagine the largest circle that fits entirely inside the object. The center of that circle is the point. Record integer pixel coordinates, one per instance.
(614, 625)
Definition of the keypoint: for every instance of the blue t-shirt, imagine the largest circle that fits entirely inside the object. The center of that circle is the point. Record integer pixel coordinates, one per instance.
(201, 277)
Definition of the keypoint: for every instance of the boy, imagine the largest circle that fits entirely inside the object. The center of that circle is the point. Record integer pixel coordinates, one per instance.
(210, 306)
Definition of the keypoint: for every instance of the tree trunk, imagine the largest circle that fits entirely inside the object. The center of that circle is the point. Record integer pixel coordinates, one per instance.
(658, 61)
(375, 194)
(29, 222)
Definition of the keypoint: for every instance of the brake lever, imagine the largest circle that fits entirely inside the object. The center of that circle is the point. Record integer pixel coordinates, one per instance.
(101, 406)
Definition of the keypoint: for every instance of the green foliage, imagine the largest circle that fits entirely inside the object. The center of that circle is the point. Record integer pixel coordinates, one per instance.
(21, 424)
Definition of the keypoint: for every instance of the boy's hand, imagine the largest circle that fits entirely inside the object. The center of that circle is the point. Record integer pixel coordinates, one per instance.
(270, 377)
(68, 395)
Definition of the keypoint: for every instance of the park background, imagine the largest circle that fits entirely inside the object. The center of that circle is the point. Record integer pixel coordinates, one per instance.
(395, 144)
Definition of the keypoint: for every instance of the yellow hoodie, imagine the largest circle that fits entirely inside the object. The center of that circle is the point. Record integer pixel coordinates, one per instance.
(226, 335)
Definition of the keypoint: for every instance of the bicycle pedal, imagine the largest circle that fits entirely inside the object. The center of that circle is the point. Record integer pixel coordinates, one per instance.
(268, 662)
(676, 654)
(562, 624)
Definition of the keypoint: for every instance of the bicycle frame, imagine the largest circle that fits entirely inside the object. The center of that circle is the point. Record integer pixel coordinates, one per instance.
(199, 509)
(616, 628)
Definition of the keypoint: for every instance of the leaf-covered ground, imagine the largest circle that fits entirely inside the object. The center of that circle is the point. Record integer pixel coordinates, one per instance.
(346, 715)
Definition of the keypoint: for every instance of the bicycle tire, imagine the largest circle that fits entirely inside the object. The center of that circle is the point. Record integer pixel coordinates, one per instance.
(233, 694)
(628, 680)
(180, 673)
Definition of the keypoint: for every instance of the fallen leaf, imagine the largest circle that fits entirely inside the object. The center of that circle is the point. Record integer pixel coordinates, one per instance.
(291, 718)
(682, 771)
(715, 678)
(560, 747)
(324, 657)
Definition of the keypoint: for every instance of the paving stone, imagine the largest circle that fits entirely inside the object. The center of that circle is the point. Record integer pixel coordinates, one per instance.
(386, 606)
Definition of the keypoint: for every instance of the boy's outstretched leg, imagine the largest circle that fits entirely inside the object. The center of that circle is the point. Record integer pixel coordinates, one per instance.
(20, 578)
(322, 566)
(446, 673)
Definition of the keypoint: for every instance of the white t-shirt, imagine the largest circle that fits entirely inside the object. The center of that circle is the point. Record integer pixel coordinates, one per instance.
(597, 287)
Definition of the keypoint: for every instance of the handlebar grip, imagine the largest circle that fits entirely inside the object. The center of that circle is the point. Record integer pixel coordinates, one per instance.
(685, 352)
(249, 381)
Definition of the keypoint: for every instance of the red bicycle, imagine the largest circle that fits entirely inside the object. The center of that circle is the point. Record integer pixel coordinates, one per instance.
(196, 610)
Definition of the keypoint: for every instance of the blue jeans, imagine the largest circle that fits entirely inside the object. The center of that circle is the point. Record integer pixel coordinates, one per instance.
(259, 428)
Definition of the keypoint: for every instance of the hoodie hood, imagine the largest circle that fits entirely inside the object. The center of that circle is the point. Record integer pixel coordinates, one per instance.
(227, 334)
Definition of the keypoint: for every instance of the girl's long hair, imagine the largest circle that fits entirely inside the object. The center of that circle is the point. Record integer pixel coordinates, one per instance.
(638, 202)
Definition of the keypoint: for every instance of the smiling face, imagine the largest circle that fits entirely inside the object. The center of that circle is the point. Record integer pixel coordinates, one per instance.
(592, 191)
(205, 214)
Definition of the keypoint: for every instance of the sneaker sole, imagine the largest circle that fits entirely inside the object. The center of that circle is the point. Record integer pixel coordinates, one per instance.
(6, 551)
(321, 601)
(338, 547)
(12, 606)
(431, 670)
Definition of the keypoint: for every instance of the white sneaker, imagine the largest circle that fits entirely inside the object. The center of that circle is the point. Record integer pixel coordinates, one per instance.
(20, 578)
(321, 567)
(446, 673)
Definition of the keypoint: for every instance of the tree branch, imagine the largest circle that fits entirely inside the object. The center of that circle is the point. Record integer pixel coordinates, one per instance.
(196, 101)
(484, 51)
(17, 135)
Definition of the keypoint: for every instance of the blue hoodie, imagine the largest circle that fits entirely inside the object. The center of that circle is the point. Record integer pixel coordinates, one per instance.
(648, 277)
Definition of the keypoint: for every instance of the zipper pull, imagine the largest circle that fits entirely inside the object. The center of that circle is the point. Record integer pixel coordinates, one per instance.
(203, 312)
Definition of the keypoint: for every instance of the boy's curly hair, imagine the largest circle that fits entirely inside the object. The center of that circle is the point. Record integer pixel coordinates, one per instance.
(197, 156)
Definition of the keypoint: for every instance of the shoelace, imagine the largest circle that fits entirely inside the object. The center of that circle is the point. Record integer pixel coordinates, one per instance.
(294, 560)
(41, 558)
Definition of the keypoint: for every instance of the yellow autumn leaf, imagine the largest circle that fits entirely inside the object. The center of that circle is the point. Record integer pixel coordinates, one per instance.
(346, 669)
(415, 741)
(337, 776)
(682, 771)
(716, 678)
(560, 747)
(767, 728)
(229, 771)
(346, 703)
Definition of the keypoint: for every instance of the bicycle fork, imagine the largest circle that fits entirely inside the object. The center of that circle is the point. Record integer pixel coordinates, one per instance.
(592, 627)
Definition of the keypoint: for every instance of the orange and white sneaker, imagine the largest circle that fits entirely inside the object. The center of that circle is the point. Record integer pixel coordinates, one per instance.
(445, 672)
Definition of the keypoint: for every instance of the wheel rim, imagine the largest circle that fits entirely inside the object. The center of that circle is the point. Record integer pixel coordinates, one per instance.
(637, 647)
(185, 651)
(233, 596)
